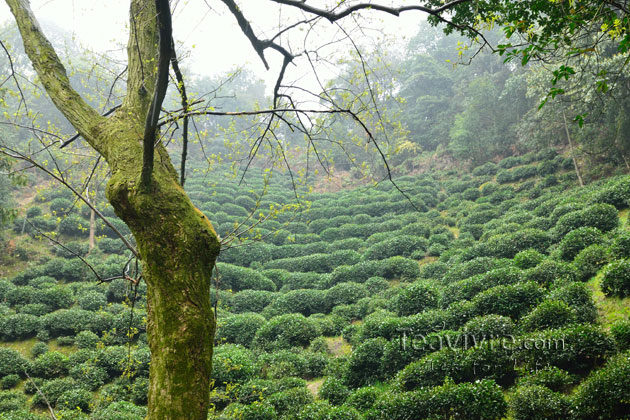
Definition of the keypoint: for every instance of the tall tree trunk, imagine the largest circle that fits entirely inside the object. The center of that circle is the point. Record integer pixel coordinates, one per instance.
(176, 242)
(178, 248)
(575, 164)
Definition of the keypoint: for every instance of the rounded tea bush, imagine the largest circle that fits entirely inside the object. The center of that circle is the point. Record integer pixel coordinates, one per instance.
(536, 402)
(239, 328)
(364, 366)
(579, 297)
(577, 240)
(490, 326)
(334, 390)
(286, 331)
(549, 314)
(604, 394)
(417, 297)
(589, 261)
(616, 279)
(620, 331)
(233, 364)
(528, 258)
(551, 377)
(481, 400)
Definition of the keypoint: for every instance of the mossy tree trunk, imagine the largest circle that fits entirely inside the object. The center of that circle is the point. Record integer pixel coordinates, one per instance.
(176, 242)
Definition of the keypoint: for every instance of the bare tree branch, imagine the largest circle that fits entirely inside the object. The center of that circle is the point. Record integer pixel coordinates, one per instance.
(165, 31)
(333, 16)
(181, 87)
(52, 72)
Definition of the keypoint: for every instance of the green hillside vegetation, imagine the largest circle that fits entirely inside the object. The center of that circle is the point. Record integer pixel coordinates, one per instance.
(505, 295)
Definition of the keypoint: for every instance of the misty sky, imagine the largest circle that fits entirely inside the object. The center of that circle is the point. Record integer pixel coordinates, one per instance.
(208, 31)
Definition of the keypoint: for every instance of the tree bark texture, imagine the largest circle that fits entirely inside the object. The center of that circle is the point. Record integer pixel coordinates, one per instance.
(176, 242)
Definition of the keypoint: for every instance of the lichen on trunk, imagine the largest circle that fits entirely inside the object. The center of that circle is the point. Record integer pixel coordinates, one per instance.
(176, 242)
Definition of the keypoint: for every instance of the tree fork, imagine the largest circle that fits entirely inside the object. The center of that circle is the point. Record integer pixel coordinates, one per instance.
(176, 242)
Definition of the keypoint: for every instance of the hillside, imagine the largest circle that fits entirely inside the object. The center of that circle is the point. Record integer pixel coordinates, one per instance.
(500, 293)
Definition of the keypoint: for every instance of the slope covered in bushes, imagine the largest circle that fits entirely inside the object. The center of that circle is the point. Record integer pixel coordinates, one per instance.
(475, 302)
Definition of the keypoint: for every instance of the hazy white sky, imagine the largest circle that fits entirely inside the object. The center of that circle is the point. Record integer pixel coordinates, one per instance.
(206, 29)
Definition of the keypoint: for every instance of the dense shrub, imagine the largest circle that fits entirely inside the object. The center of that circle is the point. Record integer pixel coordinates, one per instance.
(419, 229)
(616, 194)
(291, 400)
(398, 267)
(11, 401)
(434, 270)
(345, 294)
(286, 331)
(577, 240)
(239, 328)
(364, 366)
(470, 268)
(375, 285)
(528, 259)
(245, 255)
(75, 399)
(19, 326)
(111, 246)
(120, 410)
(302, 301)
(538, 403)
(604, 394)
(461, 365)
(510, 162)
(391, 268)
(92, 301)
(240, 278)
(620, 331)
(364, 398)
(68, 322)
(471, 287)
(550, 271)
(489, 327)
(620, 247)
(415, 298)
(401, 245)
(509, 244)
(50, 365)
(551, 377)
(258, 410)
(232, 364)
(579, 298)
(576, 349)
(334, 391)
(9, 381)
(616, 279)
(250, 301)
(12, 362)
(511, 300)
(299, 280)
(589, 261)
(59, 206)
(488, 168)
(56, 297)
(482, 400)
(549, 314)
(600, 216)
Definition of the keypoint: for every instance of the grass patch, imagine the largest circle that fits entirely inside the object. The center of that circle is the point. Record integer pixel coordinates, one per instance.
(338, 346)
(623, 217)
(23, 346)
(609, 309)
(314, 385)
(427, 259)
